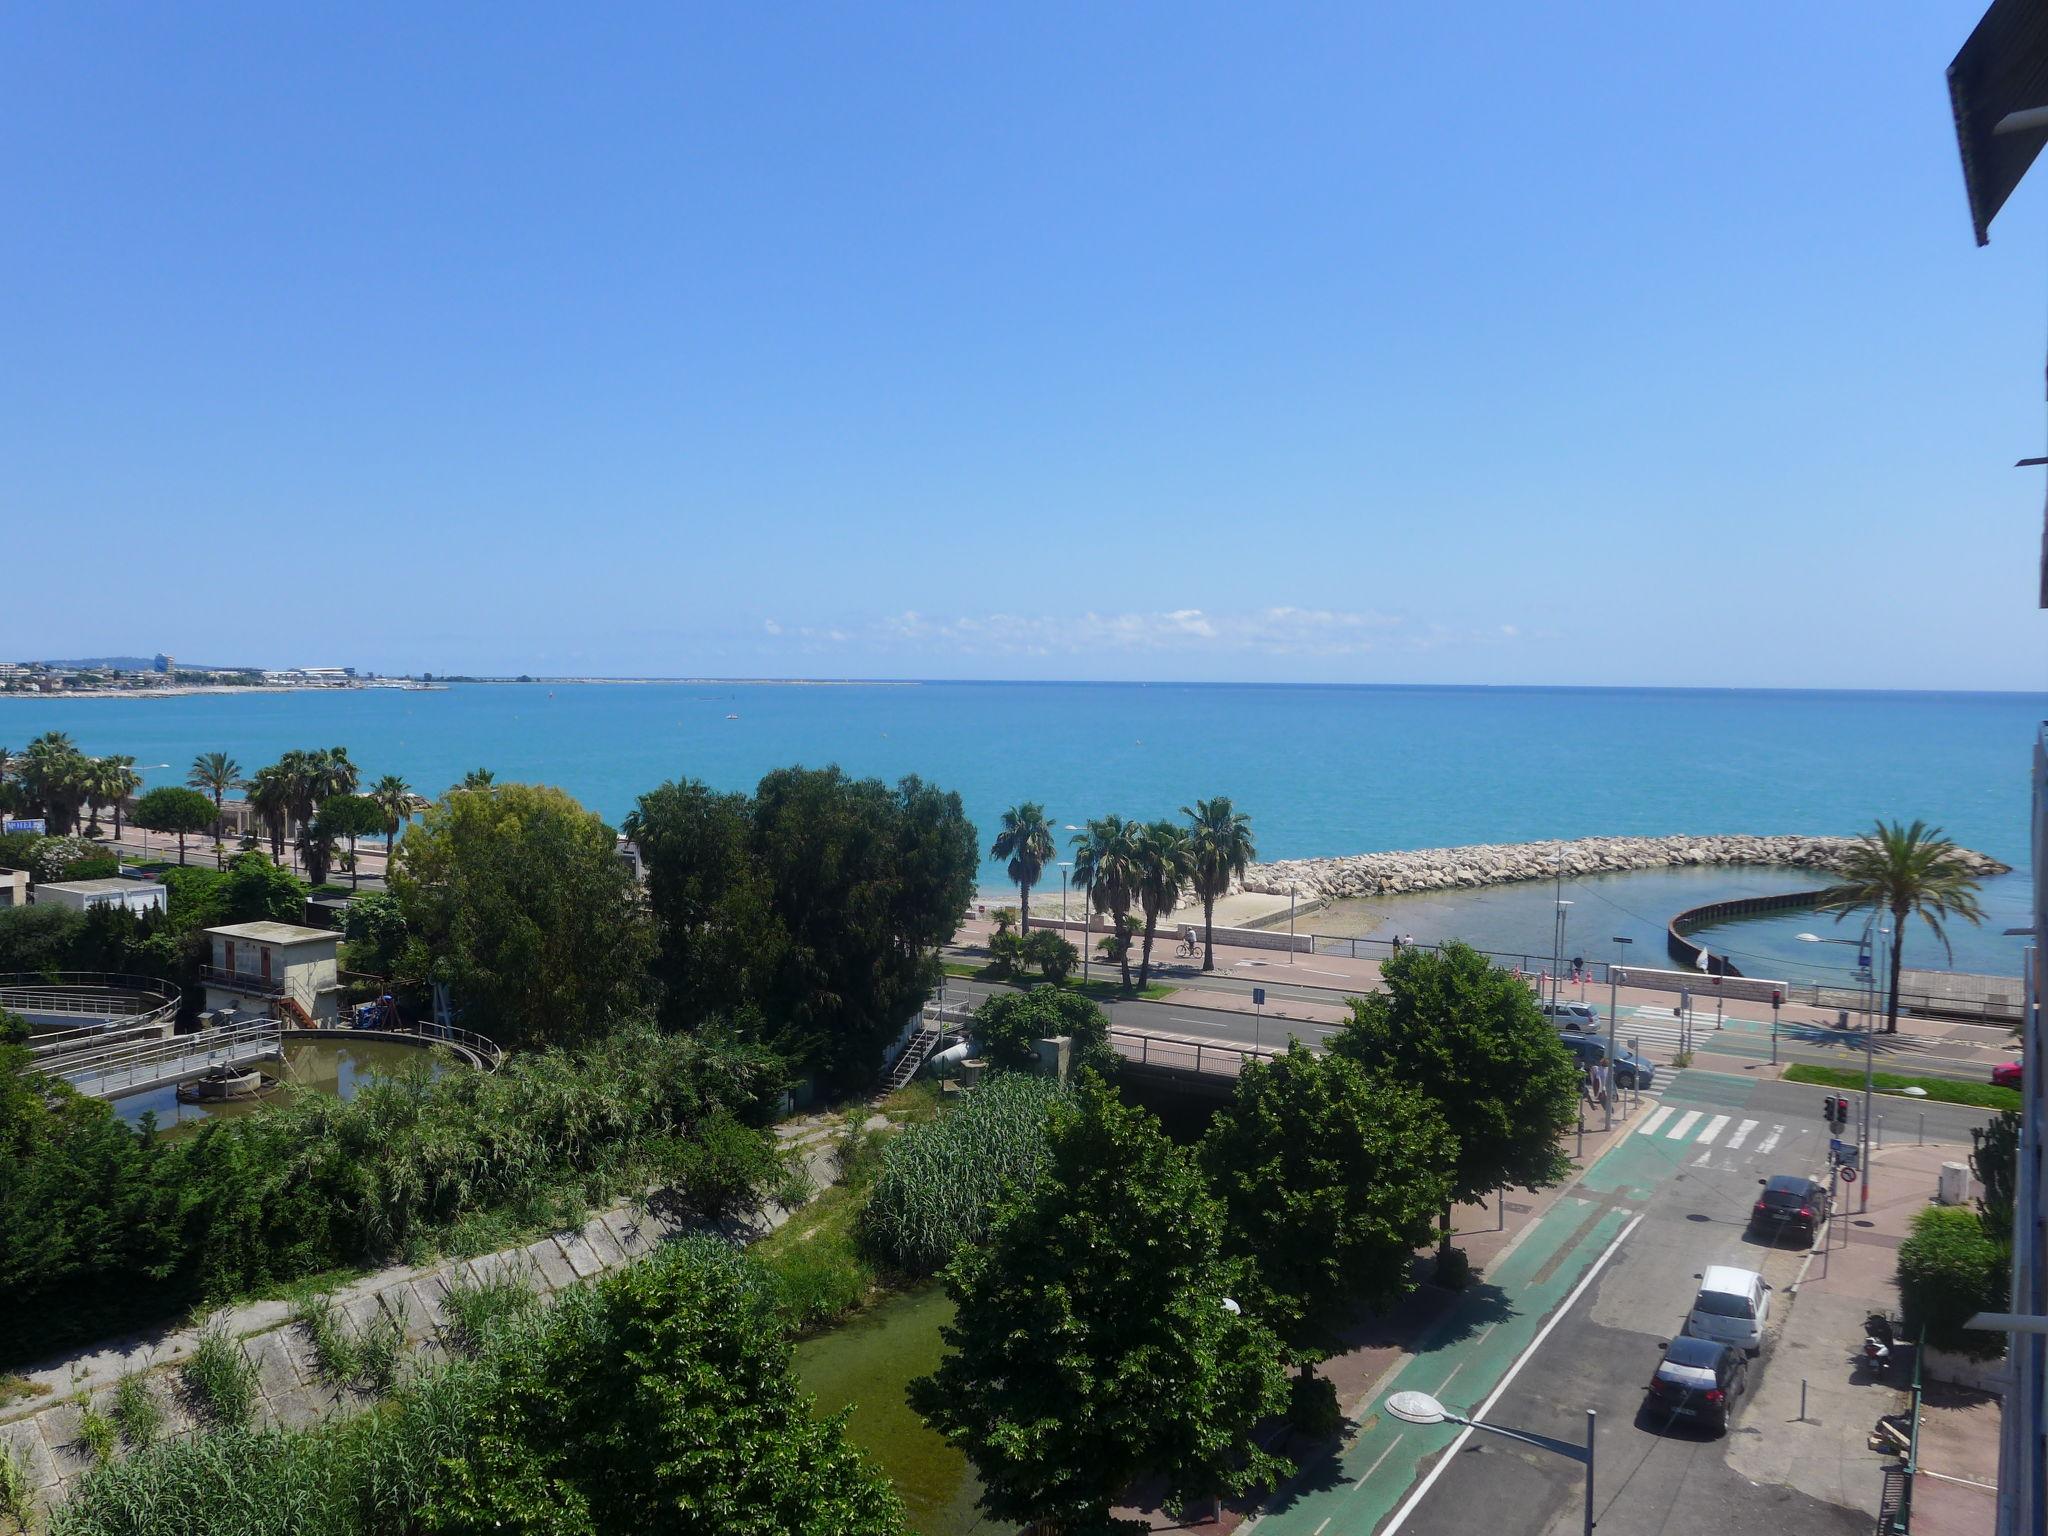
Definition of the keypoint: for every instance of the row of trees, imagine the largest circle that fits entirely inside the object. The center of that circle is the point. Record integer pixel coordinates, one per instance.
(1120, 865)
(1134, 1310)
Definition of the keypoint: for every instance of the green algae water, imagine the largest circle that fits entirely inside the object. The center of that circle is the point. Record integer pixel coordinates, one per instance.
(866, 1365)
(334, 1064)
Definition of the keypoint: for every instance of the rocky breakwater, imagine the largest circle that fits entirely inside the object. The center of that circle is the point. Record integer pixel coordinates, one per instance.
(1443, 869)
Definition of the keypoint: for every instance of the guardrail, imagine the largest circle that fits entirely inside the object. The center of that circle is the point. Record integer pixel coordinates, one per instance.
(242, 981)
(1171, 1053)
(117, 1069)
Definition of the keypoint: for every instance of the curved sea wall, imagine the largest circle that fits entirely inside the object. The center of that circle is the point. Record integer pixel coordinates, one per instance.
(1443, 869)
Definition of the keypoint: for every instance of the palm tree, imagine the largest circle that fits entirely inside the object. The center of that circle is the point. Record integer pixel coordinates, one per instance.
(1220, 841)
(478, 778)
(1106, 867)
(1904, 870)
(1026, 841)
(1166, 860)
(216, 773)
(120, 782)
(52, 774)
(399, 804)
(270, 797)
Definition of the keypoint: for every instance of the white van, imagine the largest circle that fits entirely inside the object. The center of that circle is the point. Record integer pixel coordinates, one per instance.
(1732, 1307)
(1583, 1017)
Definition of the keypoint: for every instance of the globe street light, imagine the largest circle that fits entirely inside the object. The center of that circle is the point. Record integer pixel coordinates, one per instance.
(1421, 1408)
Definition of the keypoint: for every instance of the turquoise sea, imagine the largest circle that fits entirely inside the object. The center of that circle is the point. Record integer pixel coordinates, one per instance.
(1321, 770)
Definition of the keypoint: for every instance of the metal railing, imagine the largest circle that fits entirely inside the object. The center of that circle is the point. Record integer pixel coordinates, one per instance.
(1176, 1054)
(123, 1068)
(242, 981)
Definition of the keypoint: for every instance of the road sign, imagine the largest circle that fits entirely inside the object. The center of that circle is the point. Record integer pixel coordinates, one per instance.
(1843, 1152)
(1849, 1175)
(1258, 997)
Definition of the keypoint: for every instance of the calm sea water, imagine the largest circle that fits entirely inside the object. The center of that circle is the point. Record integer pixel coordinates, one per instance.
(1321, 770)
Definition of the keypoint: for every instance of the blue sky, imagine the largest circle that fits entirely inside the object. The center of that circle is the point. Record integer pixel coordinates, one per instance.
(1511, 344)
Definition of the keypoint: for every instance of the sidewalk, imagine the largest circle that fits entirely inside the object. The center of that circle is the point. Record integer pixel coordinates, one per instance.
(1429, 1319)
(1818, 1346)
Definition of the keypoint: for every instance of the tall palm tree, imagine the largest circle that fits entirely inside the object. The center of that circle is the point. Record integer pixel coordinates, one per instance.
(121, 781)
(478, 778)
(1106, 867)
(399, 804)
(270, 797)
(216, 773)
(1904, 870)
(1220, 841)
(1166, 860)
(1026, 841)
(53, 774)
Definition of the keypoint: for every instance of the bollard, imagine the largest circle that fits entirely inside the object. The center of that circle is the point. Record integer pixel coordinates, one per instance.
(1923, 1130)
(1802, 1399)
(1880, 1133)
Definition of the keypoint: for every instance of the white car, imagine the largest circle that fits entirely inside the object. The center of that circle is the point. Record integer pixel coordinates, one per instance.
(1583, 1017)
(1732, 1307)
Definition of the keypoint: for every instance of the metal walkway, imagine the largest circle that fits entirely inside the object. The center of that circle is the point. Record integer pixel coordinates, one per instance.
(114, 1071)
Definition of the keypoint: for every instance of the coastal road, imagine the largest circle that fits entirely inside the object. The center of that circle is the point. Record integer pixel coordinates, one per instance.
(1574, 1317)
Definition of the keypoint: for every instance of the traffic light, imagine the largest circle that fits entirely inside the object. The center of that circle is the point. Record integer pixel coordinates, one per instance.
(1777, 998)
(1835, 1111)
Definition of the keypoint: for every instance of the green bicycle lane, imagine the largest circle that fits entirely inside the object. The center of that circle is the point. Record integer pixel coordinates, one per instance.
(1465, 1354)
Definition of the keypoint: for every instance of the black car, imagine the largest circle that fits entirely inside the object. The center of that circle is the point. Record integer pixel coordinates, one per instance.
(1698, 1379)
(1790, 1203)
(1629, 1070)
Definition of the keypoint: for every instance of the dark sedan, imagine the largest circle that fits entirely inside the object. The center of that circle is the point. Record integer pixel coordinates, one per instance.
(1698, 1379)
(1790, 1203)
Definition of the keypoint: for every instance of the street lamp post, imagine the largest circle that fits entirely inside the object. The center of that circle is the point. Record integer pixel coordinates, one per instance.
(1421, 1408)
(1865, 955)
(1557, 951)
(1065, 865)
(1613, 1019)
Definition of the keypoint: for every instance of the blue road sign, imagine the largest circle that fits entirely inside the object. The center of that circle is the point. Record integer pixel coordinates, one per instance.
(1258, 997)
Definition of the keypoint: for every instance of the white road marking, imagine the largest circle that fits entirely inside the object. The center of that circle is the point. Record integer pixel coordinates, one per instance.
(1685, 1123)
(1649, 1126)
(1741, 1134)
(1763, 1148)
(1703, 1159)
(1714, 1128)
(1408, 1506)
(1377, 1460)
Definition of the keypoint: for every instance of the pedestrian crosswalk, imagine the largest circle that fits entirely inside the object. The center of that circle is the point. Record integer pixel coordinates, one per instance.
(1712, 1132)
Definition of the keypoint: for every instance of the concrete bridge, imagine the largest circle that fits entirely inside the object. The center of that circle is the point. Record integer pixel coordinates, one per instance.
(1205, 1068)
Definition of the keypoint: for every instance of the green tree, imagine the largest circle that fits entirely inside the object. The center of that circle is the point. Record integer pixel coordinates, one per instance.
(1010, 1024)
(1165, 862)
(1995, 1160)
(215, 773)
(1330, 1181)
(1092, 1345)
(1026, 841)
(530, 915)
(118, 780)
(349, 817)
(1904, 870)
(478, 778)
(814, 909)
(254, 890)
(374, 930)
(395, 798)
(1053, 955)
(1108, 867)
(1468, 1037)
(1949, 1270)
(1219, 851)
(658, 1400)
(270, 797)
(54, 777)
(171, 809)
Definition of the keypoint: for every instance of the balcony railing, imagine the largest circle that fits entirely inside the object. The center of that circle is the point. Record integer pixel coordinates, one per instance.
(242, 981)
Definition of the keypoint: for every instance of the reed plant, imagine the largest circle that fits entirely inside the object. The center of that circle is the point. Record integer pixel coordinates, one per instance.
(218, 1380)
(137, 1411)
(98, 1434)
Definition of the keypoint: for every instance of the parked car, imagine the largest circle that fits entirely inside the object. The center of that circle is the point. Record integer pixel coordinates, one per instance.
(1583, 1017)
(1790, 1202)
(1630, 1070)
(2006, 1074)
(1699, 1379)
(1732, 1307)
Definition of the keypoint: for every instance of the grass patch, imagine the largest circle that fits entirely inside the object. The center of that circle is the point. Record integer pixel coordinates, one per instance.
(365, 1358)
(1100, 991)
(137, 1413)
(916, 1104)
(219, 1382)
(817, 1269)
(1941, 1089)
(14, 1388)
(98, 1434)
(477, 1310)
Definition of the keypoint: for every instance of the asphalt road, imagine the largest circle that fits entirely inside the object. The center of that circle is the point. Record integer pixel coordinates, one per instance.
(1578, 1319)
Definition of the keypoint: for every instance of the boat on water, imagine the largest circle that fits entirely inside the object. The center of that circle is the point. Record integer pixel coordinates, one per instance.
(732, 717)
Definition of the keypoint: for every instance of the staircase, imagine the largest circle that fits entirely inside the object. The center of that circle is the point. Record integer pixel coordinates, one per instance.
(914, 1056)
(288, 1012)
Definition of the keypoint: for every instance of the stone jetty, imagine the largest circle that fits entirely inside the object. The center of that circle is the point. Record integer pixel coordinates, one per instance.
(1444, 869)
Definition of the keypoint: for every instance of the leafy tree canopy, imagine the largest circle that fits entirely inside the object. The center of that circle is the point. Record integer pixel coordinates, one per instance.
(1009, 1025)
(1468, 1037)
(1331, 1179)
(1092, 1345)
(529, 913)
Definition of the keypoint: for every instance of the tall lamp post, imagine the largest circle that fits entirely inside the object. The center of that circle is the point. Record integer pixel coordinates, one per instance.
(1421, 1408)
(1065, 865)
(1864, 957)
(1557, 949)
(1614, 1014)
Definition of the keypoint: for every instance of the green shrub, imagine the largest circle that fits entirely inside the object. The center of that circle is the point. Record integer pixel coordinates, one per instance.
(136, 1412)
(219, 1381)
(1009, 1025)
(939, 1183)
(1948, 1270)
(818, 1283)
(476, 1310)
(17, 1495)
(98, 1434)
